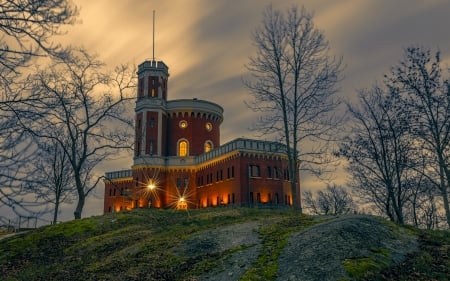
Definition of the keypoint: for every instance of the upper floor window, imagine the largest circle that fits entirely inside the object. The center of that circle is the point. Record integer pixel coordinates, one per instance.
(183, 148)
(254, 171)
(208, 146)
(275, 172)
(183, 124)
(208, 126)
(151, 123)
(141, 87)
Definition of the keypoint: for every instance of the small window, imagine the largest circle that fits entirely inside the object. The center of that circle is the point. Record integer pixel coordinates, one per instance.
(254, 171)
(269, 172)
(150, 146)
(183, 148)
(141, 87)
(208, 126)
(183, 124)
(275, 172)
(208, 146)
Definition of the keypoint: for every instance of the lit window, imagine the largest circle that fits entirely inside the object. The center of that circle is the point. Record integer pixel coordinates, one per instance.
(183, 124)
(208, 146)
(208, 126)
(182, 148)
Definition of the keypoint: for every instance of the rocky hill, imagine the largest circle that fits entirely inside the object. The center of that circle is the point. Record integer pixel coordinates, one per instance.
(226, 244)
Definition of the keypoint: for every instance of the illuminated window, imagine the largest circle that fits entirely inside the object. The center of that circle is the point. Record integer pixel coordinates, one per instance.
(183, 124)
(208, 146)
(182, 148)
(208, 126)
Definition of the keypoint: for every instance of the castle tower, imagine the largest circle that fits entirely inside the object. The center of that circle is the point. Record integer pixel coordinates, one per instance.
(150, 134)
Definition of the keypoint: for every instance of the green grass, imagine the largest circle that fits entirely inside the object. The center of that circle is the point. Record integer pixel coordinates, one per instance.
(136, 245)
(146, 244)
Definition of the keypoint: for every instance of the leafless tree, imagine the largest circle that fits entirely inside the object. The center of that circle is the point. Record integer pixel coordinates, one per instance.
(53, 180)
(293, 82)
(82, 109)
(419, 78)
(27, 28)
(380, 150)
(334, 200)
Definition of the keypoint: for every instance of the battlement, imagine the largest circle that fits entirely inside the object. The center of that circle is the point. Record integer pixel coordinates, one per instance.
(153, 65)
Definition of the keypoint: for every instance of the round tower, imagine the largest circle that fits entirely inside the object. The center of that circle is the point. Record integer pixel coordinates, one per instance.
(193, 126)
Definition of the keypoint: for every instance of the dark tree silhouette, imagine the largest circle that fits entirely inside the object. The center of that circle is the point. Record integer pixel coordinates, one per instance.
(419, 79)
(293, 82)
(53, 181)
(27, 28)
(379, 151)
(334, 200)
(82, 109)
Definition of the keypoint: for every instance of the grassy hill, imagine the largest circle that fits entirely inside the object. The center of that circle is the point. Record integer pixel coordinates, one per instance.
(225, 244)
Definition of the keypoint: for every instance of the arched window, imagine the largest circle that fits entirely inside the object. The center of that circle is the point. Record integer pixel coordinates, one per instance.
(183, 148)
(208, 146)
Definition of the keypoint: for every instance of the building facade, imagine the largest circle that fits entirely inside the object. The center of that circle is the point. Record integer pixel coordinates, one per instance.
(180, 163)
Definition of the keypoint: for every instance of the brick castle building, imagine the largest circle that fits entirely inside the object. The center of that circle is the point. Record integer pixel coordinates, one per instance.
(180, 163)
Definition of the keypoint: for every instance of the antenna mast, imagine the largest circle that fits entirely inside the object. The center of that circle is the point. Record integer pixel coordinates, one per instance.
(153, 35)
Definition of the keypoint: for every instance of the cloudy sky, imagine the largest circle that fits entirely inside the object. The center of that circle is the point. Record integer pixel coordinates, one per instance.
(206, 45)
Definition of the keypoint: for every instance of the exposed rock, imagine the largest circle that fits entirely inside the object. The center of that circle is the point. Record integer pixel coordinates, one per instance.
(317, 253)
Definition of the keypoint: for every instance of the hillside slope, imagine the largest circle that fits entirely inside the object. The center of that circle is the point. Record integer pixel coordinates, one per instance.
(225, 244)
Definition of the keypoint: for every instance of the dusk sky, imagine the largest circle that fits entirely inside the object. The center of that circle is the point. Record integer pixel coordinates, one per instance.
(206, 45)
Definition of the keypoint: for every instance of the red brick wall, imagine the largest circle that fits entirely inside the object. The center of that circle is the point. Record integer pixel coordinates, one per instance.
(195, 133)
(113, 200)
(138, 134)
(151, 132)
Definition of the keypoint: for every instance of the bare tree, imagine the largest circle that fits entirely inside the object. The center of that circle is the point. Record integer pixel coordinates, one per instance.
(53, 178)
(293, 82)
(26, 29)
(334, 200)
(419, 79)
(82, 109)
(379, 150)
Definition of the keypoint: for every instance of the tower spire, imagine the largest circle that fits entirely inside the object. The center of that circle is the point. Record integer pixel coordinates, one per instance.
(153, 57)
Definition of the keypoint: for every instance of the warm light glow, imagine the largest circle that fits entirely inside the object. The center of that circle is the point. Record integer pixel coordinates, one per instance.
(183, 148)
(182, 199)
(208, 146)
(151, 186)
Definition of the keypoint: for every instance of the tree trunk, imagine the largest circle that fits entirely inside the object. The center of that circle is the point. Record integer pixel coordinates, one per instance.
(80, 205)
(55, 213)
(296, 200)
(446, 204)
(443, 186)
